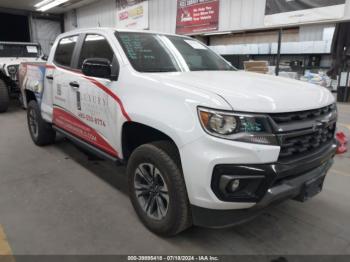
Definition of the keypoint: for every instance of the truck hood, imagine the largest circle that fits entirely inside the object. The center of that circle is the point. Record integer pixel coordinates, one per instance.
(252, 92)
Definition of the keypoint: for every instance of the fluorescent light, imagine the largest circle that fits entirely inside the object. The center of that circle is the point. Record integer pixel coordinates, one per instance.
(217, 33)
(51, 5)
(40, 4)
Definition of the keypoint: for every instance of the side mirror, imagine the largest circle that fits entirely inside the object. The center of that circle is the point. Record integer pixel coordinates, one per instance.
(97, 67)
(45, 57)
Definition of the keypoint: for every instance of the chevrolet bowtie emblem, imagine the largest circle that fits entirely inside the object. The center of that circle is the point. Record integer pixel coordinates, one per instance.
(320, 123)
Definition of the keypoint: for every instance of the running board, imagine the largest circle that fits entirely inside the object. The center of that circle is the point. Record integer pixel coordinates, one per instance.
(90, 148)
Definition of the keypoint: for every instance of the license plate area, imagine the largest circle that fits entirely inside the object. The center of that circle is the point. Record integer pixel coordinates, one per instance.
(311, 188)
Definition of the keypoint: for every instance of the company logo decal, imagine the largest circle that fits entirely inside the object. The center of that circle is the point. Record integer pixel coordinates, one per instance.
(75, 126)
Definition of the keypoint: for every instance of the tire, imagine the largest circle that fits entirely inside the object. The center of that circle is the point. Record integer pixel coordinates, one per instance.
(21, 102)
(169, 214)
(40, 131)
(4, 97)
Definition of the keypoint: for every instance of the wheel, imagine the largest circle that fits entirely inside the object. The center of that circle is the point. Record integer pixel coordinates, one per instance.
(157, 189)
(41, 132)
(4, 97)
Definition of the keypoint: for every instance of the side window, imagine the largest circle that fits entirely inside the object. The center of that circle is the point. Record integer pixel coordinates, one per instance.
(64, 51)
(95, 46)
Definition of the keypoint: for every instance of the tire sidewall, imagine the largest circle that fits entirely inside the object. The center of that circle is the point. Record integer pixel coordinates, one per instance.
(33, 106)
(46, 134)
(168, 171)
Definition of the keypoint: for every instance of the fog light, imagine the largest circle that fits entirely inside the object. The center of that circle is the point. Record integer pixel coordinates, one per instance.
(234, 185)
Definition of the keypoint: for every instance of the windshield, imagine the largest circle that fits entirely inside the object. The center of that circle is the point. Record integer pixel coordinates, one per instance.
(163, 53)
(13, 50)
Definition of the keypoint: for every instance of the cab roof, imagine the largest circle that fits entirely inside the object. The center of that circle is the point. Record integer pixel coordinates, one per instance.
(114, 29)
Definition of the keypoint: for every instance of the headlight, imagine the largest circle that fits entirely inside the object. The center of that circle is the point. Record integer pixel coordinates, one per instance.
(236, 126)
(12, 70)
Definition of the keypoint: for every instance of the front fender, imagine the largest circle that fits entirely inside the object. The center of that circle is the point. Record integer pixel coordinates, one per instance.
(167, 107)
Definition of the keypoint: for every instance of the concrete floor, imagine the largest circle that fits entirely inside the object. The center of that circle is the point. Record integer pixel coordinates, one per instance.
(54, 200)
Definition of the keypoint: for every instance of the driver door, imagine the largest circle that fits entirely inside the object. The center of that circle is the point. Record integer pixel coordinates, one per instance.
(95, 112)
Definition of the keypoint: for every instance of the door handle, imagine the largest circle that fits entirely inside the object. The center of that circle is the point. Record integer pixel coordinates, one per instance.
(49, 77)
(74, 84)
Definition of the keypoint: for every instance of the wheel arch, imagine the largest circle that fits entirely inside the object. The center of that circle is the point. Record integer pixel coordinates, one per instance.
(28, 96)
(135, 134)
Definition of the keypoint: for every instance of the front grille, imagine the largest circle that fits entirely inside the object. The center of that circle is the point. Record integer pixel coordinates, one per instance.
(303, 133)
(303, 143)
(285, 118)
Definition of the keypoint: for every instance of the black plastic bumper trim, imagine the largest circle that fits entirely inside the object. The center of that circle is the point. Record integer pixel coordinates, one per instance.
(273, 173)
(288, 189)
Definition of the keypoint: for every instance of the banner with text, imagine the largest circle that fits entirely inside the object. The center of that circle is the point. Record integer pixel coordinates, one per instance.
(286, 12)
(133, 15)
(197, 16)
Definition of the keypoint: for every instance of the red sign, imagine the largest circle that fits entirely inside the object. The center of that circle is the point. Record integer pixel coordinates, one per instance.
(197, 16)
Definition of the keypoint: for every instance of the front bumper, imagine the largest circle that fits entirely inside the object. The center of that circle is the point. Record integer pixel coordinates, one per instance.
(290, 187)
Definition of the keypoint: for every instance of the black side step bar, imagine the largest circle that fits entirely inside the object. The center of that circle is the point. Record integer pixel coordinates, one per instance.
(90, 148)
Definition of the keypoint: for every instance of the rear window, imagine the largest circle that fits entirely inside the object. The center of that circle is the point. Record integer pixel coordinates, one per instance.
(64, 50)
(95, 46)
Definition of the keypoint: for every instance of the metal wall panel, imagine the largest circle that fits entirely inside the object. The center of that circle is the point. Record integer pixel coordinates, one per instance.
(162, 15)
(235, 15)
(98, 14)
(239, 15)
(45, 32)
(69, 21)
(313, 32)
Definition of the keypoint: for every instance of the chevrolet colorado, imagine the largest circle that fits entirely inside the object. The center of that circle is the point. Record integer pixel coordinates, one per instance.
(204, 144)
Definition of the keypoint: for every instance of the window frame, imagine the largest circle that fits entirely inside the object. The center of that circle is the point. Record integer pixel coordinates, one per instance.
(73, 54)
(81, 45)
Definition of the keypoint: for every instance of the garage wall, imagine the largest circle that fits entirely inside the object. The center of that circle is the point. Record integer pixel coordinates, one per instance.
(45, 32)
(162, 15)
(101, 13)
(14, 27)
(241, 14)
(289, 35)
(235, 15)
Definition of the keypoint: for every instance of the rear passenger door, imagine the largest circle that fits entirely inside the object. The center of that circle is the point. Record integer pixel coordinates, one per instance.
(62, 74)
(94, 113)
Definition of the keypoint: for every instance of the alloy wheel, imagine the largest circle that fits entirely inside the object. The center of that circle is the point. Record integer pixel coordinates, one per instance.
(151, 191)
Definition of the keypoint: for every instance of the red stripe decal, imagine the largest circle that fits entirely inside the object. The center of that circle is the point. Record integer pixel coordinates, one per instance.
(75, 126)
(104, 88)
(111, 94)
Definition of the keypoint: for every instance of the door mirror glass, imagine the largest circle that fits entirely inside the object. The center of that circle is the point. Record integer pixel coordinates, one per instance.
(97, 67)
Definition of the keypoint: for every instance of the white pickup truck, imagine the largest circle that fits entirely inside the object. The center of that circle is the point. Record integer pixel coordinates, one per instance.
(204, 144)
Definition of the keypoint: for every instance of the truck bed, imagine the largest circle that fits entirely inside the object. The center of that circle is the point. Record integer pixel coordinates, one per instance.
(31, 77)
